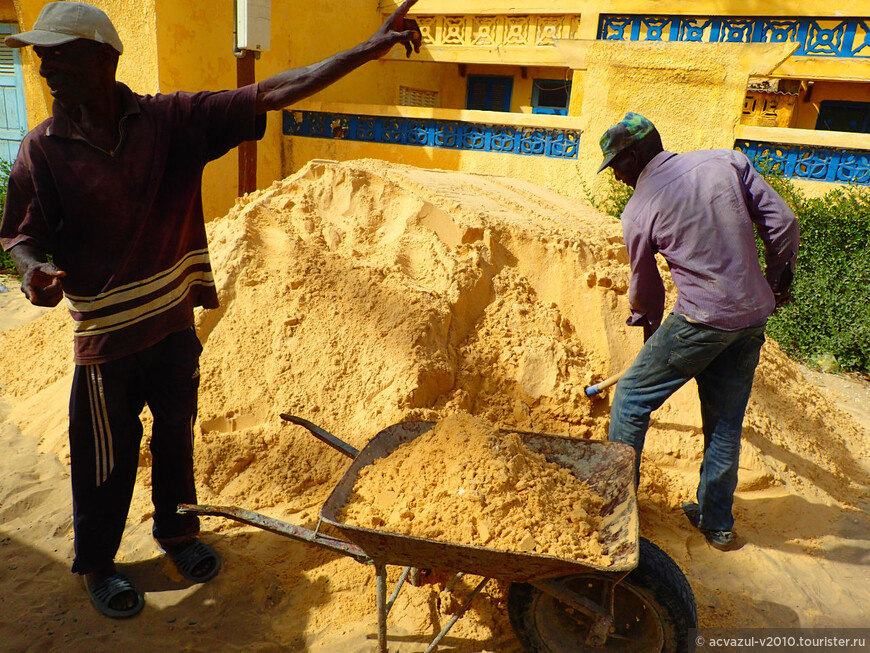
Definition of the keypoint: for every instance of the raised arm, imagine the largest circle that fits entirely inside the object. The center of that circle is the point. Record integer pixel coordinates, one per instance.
(293, 85)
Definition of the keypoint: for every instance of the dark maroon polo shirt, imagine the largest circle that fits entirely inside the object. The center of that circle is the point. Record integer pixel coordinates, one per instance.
(127, 226)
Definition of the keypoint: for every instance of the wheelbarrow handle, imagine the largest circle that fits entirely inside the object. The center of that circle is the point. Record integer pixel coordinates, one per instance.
(323, 436)
(279, 527)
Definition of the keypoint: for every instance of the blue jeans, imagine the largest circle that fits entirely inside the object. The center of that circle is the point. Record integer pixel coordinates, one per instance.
(723, 364)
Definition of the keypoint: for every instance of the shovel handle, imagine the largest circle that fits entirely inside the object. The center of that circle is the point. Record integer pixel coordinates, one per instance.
(323, 436)
(593, 390)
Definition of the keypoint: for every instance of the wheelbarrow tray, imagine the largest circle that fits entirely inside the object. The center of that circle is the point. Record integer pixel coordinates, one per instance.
(607, 467)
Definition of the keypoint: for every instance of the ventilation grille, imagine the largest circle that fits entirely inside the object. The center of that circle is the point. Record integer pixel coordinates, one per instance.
(415, 97)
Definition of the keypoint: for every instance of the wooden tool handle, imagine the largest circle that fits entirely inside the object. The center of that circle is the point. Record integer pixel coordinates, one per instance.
(603, 385)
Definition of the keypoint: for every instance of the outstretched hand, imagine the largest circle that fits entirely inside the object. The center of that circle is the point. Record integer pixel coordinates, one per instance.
(398, 29)
(41, 284)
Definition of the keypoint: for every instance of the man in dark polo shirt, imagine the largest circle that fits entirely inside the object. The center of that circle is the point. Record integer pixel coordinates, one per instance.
(110, 187)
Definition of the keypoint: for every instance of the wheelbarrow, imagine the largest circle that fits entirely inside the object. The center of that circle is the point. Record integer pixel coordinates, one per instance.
(640, 602)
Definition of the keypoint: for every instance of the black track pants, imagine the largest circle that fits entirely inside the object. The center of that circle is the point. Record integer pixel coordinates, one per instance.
(105, 434)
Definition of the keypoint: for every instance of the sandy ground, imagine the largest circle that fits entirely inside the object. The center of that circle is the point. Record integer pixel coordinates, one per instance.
(520, 303)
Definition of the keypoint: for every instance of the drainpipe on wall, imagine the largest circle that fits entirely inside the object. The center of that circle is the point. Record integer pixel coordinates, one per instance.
(248, 149)
(252, 35)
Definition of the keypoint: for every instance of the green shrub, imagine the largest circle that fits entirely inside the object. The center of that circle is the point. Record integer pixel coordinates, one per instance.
(829, 319)
(6, 264)
(616, 198)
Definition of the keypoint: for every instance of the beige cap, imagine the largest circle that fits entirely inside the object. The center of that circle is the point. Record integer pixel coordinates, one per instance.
(63, 22)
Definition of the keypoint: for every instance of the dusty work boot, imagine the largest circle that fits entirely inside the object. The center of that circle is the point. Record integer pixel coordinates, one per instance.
(722, 540)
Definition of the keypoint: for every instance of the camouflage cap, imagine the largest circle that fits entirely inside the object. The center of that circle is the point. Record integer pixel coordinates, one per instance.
(628, 131)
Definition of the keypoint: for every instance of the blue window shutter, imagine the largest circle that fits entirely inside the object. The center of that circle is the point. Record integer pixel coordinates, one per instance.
(13, 115)
(489, 92)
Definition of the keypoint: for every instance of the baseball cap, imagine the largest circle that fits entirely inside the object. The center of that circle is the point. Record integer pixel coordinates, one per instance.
(63, 22)
(628, 131)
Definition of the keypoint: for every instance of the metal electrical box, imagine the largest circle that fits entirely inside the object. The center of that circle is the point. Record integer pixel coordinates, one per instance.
(253, 24)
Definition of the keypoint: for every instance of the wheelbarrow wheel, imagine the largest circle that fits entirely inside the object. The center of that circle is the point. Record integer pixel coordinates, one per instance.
(653, 609)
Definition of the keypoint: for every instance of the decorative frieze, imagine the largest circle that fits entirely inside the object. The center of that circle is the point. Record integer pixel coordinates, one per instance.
(497, 31)
(427, 132)
(768, 109)
(809, 162)
(817, 37)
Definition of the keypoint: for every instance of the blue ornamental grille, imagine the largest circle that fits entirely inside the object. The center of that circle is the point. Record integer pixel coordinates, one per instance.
(817, 37)
(809, 162)
(426, 132)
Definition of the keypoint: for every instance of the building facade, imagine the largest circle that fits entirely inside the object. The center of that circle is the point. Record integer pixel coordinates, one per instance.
(519, 88)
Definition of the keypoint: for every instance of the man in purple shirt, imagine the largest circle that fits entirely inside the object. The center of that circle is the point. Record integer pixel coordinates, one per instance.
(700, 211)
(110, 187)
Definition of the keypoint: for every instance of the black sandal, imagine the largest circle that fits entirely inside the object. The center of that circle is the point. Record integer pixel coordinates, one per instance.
(193, 555)
(103, 592)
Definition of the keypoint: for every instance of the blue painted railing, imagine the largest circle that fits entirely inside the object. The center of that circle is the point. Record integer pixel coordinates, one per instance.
(809, 162)
(428, 132)
(818, 37)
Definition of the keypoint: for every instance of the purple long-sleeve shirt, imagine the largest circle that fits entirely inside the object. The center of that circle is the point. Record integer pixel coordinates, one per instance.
(698, 211)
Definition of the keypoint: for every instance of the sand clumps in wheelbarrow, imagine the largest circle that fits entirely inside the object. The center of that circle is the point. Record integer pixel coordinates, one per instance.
(466, 482)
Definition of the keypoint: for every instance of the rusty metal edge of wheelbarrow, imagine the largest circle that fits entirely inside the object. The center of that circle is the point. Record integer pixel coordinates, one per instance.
(613, 477)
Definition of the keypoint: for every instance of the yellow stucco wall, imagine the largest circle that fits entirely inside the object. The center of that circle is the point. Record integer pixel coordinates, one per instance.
(194, 44)
(692, 92)
(173, 45)
(193, 58)
(830, 68)
(818, 138)
(814, 188)
(7, 12)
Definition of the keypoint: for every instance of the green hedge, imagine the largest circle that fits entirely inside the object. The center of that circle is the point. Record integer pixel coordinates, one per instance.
(6, 265)
(828, 323)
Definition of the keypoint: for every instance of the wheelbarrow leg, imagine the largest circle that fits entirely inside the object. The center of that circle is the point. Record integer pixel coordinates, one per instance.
(381, 577)
(384, 605)
(455, 617)
(398, 587)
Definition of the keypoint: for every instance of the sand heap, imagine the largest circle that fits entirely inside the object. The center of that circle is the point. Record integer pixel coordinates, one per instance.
(467, 483)
(362, 294)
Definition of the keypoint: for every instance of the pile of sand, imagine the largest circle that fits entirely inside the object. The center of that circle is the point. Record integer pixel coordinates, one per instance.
(465, 482)
(362, 294)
